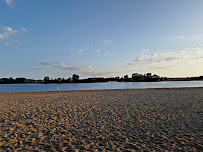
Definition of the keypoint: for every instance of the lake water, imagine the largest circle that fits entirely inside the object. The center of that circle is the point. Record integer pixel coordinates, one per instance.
(97, 86)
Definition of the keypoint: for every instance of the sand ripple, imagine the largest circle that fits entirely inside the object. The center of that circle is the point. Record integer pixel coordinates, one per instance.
(116, 120)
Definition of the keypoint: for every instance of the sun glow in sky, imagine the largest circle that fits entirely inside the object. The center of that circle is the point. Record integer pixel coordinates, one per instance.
(100, 38)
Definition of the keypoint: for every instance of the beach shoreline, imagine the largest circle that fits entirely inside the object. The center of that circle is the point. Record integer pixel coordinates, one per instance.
(160, 119)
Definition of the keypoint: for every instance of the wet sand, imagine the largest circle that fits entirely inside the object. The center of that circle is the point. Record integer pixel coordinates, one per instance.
(107, 120)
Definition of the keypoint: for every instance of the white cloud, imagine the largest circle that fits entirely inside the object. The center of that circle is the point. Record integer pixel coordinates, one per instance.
(146, 50)
(195, 48)
(7, 32)
(119, 63)
(98, 51)
(171, 58)
(190, 37)
(107, 42)
(76, 51)
(107, 54)
(83, 69)
(9, 2)
(162, 54)
(198, 49)
(169, 53)
(63, 66)
(10, 30)
(23, 29)
(72, 49)
(198, 36)
(141, 57)
(104, 54)
(186, 55)
(81, 51)
(130, 63)
(180, 37)
(2, 36)
(199, 58)
(52, 63)
(163, 61)
(181, 52)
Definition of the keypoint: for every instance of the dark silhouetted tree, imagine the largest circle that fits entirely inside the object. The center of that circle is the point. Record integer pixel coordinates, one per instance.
(11, 80)
(75, 78)
(59, 80)
(46, 79)
(147, 76)
(126, 78)
(69, 80)
(20, 80)
(137, 77)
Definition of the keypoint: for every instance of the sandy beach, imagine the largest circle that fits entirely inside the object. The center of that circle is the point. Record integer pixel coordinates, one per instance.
(105, 120)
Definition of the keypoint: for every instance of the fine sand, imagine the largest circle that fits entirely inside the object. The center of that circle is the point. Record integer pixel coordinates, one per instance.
(106, 120)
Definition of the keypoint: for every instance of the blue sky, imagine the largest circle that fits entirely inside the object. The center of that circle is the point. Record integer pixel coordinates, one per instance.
(95, 38)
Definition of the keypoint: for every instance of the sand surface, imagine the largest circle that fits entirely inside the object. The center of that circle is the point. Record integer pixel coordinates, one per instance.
(108, 120)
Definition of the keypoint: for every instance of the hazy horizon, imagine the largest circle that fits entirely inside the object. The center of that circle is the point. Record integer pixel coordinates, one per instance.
(100, 38)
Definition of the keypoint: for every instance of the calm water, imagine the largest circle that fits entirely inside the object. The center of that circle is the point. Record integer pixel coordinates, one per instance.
(97, 86)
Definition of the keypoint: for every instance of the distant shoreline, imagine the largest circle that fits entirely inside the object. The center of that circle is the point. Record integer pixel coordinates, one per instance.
(104, 82)
(147, 77)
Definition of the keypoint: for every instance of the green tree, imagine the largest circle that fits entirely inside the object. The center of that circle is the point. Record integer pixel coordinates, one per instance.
(147, 77)
(59, 80)
(126, 78)
(20, 80)
(70, 79)
(11, 80)
(137, 77)
(46, 79)
(75, 78)
(155, 77)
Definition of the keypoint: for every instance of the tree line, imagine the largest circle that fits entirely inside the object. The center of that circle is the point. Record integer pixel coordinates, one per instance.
(135, 77)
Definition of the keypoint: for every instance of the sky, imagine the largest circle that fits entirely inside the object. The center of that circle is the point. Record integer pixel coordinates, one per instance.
(100, 38)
